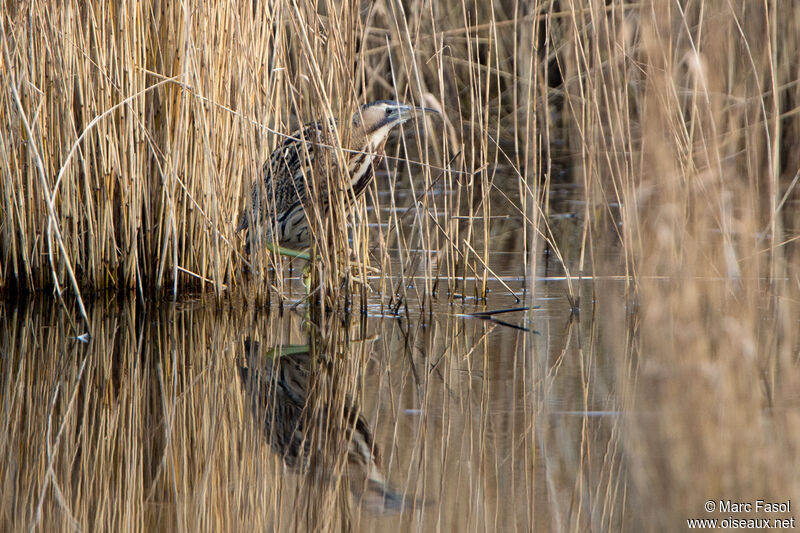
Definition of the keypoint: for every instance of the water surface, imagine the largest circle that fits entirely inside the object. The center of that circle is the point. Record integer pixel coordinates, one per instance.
(197, 415)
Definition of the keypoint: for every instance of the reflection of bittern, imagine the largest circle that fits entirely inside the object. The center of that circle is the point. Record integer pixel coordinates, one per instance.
(282, 203)
(279, 391)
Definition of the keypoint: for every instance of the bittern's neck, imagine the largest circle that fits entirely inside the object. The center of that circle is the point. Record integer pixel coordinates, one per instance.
(376, 138)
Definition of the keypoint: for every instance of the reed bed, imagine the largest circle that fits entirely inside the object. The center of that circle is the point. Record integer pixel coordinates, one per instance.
(131, 137)
(135, 133)
(683, 134)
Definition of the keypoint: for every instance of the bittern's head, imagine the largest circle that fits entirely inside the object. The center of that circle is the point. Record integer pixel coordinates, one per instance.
(376, 119)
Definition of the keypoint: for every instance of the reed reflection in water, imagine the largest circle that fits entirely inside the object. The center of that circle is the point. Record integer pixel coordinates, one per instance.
(150, 425)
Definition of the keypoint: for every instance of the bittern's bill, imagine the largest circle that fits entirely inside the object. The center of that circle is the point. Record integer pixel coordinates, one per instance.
(278, 213)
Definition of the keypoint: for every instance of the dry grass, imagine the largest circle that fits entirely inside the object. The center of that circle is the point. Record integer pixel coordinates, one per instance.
(131, 135)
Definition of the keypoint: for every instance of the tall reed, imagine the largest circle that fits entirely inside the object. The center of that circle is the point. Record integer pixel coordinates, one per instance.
(682, 119)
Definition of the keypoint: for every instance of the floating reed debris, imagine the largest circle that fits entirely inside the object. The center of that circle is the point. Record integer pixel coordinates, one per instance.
(491, 317)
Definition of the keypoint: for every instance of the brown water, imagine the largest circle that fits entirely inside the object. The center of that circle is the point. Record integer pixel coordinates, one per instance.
(195, 415)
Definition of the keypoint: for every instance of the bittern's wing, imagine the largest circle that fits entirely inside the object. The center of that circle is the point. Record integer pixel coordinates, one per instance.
(285, 176)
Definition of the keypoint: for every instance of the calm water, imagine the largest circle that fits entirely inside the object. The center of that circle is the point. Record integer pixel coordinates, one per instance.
(194, 415)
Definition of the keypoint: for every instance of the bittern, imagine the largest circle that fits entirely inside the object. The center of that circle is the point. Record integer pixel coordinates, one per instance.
(294, 183)
(301, 424)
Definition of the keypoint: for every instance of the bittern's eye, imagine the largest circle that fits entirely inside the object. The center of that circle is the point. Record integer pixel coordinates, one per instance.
(389, 111)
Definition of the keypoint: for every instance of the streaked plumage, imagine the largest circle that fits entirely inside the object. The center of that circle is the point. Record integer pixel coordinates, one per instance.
(279, 390)
(280, 201)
